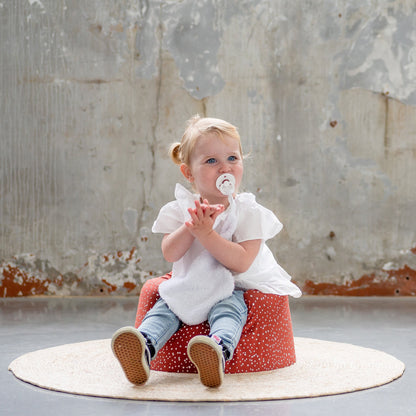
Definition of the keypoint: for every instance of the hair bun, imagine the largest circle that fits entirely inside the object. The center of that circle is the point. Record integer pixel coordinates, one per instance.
(175, 153)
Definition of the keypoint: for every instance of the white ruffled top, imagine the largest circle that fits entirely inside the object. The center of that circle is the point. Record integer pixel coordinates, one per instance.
(198, 280)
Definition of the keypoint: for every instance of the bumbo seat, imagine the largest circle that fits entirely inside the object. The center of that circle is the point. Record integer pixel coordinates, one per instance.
(266, 342)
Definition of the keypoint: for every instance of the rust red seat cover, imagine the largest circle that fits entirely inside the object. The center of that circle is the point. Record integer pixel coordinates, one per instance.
(266, 342)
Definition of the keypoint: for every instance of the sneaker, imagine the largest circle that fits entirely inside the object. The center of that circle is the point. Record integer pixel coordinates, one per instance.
(130, 349)
(208, 358)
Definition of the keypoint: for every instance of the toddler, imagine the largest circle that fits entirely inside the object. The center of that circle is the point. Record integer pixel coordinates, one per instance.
(216, 242)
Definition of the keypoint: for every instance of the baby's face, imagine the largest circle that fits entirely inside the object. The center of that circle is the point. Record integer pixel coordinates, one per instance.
(211, 157)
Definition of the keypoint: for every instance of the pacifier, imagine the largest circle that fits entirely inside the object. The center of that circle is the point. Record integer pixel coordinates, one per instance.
(226, 184)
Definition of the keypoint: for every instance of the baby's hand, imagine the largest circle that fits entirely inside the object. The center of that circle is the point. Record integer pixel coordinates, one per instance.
(203, 218)
(211, 210)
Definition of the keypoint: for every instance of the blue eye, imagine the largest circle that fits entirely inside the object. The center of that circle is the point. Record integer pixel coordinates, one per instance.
(211, 160)
(232, 158)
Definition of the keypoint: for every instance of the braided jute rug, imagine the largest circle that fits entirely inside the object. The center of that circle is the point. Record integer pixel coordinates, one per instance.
(322, 368)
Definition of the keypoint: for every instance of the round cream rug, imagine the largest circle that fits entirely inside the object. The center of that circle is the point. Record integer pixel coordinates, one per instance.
(322, 368)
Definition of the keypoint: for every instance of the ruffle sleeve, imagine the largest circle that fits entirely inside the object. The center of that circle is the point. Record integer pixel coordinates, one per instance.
(170, 218)
(255, 222)
(175, 213)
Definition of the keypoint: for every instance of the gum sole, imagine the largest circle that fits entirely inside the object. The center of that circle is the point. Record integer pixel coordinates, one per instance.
(129, 351)
(207, 362)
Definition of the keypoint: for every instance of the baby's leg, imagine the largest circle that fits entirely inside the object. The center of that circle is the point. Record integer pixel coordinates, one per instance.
(159, 324)
(226, 320)
(135, 348)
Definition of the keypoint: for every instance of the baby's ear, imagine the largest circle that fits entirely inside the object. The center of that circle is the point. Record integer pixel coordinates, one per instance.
(186, 171)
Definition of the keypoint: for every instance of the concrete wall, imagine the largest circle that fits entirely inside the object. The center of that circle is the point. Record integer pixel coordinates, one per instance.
(93, 92)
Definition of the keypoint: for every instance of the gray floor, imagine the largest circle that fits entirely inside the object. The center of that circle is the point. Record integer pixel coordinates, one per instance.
(387, 324)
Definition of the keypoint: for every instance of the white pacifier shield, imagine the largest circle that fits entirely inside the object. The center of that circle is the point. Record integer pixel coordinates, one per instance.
(226, 184)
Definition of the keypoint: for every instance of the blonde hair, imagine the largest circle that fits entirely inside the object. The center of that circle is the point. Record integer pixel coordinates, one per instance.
(180, 152)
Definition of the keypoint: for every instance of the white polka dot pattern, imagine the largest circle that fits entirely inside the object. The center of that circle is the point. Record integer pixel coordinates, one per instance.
(266, 342)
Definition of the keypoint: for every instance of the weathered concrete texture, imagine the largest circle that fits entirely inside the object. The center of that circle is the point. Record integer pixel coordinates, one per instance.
(117, 273)
(92, 94)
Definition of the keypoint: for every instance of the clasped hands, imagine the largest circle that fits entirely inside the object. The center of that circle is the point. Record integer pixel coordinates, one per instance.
(203, 217)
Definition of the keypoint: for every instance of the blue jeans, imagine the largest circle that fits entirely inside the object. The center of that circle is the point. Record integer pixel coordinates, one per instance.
(226, 320)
